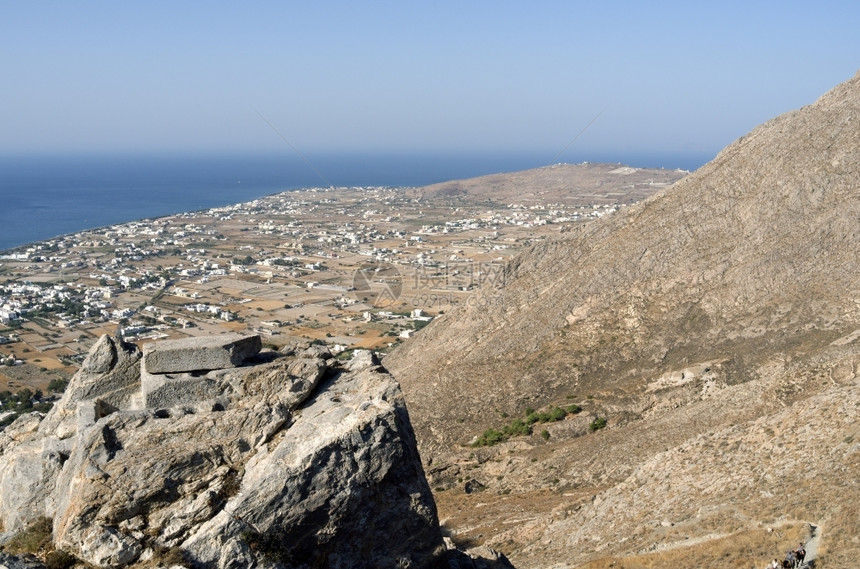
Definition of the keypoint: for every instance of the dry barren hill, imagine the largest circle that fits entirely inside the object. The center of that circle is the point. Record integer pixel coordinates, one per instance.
(714, 326)
(586, 183)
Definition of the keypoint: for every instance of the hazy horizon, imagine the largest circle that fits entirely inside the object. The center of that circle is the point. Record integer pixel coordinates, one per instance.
(508, 160)
(562, 80)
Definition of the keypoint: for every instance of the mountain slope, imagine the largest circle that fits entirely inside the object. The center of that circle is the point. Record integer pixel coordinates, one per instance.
(755, 250)
(715, 324)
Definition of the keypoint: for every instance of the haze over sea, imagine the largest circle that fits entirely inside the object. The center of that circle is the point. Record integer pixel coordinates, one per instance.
(44, 197)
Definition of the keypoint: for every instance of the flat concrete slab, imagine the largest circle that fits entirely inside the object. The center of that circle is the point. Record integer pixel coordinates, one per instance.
(202, 353)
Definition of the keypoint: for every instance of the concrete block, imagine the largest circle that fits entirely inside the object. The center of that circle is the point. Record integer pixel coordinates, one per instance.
(202, 353)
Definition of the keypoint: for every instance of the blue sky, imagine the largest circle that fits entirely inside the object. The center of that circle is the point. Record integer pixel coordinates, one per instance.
(375, 77)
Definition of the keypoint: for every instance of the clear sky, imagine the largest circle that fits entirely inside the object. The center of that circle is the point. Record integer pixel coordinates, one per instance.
(402, 76)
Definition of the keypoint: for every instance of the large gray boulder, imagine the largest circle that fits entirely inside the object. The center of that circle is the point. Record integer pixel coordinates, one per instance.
(33, 449)
(349, 492)
(297, 462)
(28, 470)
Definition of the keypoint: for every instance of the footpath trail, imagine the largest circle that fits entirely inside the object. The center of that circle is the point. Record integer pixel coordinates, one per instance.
(811, 546)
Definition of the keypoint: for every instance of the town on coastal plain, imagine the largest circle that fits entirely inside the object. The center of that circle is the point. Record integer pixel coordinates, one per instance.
(358, 267)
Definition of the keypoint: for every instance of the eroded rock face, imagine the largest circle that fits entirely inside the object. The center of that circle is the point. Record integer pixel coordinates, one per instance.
(297, 461)
(349, 457)
(110, 375)
(32, 452)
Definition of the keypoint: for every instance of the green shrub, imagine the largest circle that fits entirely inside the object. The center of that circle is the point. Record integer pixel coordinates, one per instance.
(517, 427)
(557, 414)
(345, 355)
(57, 385)
(523, 427)
(597, 424)
(489, 438)
(544, 435)
(8, 420)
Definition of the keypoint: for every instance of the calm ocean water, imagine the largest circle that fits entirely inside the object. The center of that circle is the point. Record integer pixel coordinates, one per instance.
(43, 197)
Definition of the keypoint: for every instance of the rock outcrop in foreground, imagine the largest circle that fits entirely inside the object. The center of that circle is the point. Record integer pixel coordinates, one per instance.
(290, 459)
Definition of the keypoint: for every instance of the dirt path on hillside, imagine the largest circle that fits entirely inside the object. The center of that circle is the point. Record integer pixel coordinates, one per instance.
(811, 547)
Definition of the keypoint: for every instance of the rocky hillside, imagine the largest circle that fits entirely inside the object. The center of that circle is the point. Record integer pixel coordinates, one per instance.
(714, 326)
(209, 452)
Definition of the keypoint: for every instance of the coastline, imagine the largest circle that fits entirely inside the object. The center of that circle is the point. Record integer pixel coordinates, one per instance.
(4, 253)
(48, 198)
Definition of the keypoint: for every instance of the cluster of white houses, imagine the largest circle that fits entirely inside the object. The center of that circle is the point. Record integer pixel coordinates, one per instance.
(292, 235)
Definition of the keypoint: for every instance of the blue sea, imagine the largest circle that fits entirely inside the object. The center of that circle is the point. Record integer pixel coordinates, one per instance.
(45, 196)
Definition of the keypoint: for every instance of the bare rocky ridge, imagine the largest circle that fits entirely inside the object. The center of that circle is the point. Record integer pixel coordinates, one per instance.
(288, 459)
(715, 325)
(592, 183)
